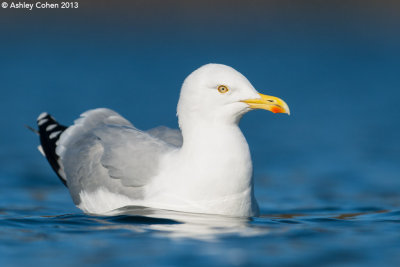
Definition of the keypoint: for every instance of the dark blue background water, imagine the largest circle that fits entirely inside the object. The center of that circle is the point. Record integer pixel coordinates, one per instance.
(327, 177)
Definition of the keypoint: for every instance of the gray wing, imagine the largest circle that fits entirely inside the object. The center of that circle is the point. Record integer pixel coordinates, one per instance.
(102, 149)
(168, 135)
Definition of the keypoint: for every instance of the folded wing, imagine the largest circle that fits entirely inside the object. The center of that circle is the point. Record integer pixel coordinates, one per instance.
(102, 149)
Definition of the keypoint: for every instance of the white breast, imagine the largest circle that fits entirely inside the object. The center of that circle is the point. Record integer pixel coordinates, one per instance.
(212, 174)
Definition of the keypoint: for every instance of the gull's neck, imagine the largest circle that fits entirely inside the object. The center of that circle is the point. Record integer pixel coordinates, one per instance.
(212, 135)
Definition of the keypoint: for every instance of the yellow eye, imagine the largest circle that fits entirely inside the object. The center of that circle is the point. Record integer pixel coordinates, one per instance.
(223, 89)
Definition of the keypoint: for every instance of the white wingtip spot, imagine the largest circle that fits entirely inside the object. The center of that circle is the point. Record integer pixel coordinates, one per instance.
(42, 115)
(54, 135)
(41, 122)
(51, 127)
(40, 148)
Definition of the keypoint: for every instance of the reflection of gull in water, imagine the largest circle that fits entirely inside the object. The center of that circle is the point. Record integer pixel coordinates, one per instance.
(208, 227)
(175, 224)
(107, 163)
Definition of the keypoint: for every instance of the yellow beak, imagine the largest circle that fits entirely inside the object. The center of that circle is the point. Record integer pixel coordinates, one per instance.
(271, 103)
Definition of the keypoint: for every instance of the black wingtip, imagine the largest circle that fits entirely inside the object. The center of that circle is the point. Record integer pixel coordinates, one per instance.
(49, 132)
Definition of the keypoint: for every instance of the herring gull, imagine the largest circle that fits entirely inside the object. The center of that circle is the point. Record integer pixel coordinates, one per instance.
(205, 167)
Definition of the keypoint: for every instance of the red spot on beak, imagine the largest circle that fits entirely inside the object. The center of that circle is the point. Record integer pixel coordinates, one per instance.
(276, 110)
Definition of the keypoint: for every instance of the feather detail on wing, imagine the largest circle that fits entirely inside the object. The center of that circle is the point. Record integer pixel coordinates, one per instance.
(102, 149)
(168, 135)
(129, 154)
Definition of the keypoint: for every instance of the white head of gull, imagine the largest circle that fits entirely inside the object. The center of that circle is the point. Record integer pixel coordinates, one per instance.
(206, 167)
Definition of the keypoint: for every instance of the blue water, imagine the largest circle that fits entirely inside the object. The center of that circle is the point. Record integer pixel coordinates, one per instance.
(327, 178)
